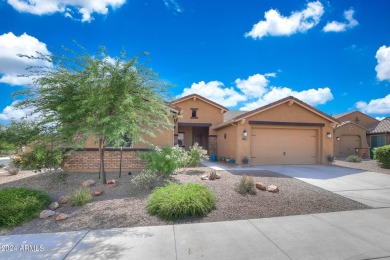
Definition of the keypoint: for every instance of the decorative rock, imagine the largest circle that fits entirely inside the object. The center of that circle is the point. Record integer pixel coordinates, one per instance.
(54, 205)
(97, 192)
(273, 188)
(61, 216)
(63, 199)
(111, 186)
(46, 213)
(110, 181)
(204, 177)
(88, 183)
(218, 176)
(261, 186)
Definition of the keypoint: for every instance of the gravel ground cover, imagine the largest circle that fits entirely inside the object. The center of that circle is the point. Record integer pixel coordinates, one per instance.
(124, 205)
(367, 165)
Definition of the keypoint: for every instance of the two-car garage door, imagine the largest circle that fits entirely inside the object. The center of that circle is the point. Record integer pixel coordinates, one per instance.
(284, 146)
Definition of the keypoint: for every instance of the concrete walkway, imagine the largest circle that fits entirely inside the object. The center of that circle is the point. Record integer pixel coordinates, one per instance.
(361, 234)
(369, 188)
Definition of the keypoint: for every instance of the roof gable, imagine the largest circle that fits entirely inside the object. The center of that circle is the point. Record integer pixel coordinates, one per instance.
(347, 116)
(196, 96)
(350, 123)
(290, 100)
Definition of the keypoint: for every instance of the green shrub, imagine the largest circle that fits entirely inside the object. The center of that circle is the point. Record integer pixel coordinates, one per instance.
(146, 180)
(353, 158)
(39, 157)
(195, 154)
(382, 154)
(176, 201)
(330, 158)
(18, 205)
(81, 197)
(165, 160)
(246, 185)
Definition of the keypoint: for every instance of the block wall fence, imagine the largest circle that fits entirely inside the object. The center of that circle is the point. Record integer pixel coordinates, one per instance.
(87, 160)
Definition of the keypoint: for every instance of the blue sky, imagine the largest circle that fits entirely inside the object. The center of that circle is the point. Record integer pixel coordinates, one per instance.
(334, 55)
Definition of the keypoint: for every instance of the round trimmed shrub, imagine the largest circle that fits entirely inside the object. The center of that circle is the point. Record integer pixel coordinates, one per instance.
(19, 205)
(382, 154)
(176, 201)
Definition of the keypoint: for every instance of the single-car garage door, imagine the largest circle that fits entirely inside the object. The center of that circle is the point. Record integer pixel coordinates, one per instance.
(283, 146)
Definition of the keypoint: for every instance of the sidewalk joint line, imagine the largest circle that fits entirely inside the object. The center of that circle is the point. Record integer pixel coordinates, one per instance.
(174, 238)
(269, 239)
(76, 244)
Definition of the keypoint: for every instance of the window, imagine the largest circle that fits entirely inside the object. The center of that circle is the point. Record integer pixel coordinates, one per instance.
(378, 140)
(180, 139)
(194, 113)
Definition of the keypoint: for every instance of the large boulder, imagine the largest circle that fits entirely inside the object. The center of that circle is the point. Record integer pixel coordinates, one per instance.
(63, 199)
(54, 205)
(88, 183)
(261, 186)
(46, 213)
(97, 192)
(61, 216)
(273, 188)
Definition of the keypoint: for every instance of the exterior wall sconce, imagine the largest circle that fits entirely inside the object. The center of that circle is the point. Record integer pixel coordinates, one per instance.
(328, 135)
(244, 134)
(338, 138)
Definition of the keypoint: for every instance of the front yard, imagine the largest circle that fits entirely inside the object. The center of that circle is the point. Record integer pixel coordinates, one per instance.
(124, 205)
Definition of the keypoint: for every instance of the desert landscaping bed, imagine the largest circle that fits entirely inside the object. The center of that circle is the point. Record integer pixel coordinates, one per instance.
(124, 205)
(366, 165)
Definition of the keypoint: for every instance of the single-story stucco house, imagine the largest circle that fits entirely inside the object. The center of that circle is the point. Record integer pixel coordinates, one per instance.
(357, 133)
(287, 131)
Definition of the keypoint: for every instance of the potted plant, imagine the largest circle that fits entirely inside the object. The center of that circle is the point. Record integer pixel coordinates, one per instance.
(245, 160)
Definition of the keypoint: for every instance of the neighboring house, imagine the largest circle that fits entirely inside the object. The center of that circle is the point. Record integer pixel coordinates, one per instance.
(358, 132)
(287, 131)
(379, 133)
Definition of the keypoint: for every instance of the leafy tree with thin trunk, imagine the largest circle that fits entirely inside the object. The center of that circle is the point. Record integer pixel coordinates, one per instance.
(82, 96)
(19, 133)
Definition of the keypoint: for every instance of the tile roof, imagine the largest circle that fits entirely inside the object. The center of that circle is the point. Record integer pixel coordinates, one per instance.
(232, 114)
(344, 114)
(349, 122)
(380, 127)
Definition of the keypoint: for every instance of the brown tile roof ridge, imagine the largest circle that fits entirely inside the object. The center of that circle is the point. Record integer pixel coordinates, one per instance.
(380, 127)
(350, 122)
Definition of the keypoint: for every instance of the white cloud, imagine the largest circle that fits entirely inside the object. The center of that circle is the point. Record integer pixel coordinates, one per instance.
(383, 67)
(340, 27)
(254, 86)
(311, 96)
(85, 7)
(380, 118)
(173, 5)
(11, 65)
(277, 25)
(375, 106)
(215, 91)
(12, 113)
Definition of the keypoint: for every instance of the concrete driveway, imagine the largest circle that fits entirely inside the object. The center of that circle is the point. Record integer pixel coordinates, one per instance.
(369, 188)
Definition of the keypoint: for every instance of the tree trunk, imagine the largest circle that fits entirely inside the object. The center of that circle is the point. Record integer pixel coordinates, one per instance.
(102, 172)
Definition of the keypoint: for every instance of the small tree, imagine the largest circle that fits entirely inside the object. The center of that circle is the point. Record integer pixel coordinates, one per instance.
(18, 134)
(84, 96)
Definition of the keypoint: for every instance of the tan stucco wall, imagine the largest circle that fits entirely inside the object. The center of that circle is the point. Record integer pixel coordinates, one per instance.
(206, 112)
(363, 119)
(280, 113)
(227, 147)
(348, 130)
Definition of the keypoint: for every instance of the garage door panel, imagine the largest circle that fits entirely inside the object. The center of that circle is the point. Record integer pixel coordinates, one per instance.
(284, 146)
